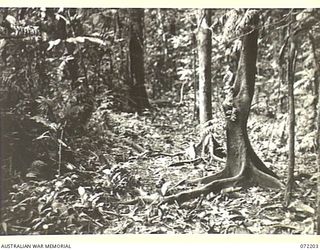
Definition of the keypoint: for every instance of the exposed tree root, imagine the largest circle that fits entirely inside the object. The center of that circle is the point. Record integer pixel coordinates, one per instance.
(265, 179)
(249, 174)
(213, 186)
(257, 162)
(210, 178)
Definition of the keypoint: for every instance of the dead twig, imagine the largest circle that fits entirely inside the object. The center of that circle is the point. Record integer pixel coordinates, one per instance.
(180, 163)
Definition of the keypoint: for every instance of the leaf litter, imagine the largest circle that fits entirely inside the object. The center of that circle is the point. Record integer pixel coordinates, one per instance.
(122, 193)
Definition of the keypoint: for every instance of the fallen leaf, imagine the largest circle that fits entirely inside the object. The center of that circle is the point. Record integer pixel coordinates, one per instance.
(299, 206)
(81, 191)
(165, 188)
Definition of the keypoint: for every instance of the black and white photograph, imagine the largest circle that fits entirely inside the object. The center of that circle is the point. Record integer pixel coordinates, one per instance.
(159, 121)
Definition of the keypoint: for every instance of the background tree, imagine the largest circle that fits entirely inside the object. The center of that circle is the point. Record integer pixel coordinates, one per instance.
(204, 91)
(204, 53)
(138, 96)
(291, 132)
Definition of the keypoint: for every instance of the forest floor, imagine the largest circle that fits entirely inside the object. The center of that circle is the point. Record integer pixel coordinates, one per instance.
(138, 154)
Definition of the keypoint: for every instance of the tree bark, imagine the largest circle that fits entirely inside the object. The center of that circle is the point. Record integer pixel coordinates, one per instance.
(316, 74)
(290, 78)
(138, 98)
(318, 161)
(204, 52)
(204, 85)
(239, 149)
(317, 103)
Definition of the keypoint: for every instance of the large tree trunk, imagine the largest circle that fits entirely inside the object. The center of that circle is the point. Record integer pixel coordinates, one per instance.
(204, 52)
(240, 153)
(243, 166)
(138, 98)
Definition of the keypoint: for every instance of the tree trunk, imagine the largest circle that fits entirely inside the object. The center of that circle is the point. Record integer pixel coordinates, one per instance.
(205, 103)
(240, 153)
(318, 161)
(315, 74)
(204, 52)
(243, 166)
(317, 104)
(290, 78)
(138, 98)
(163, 81)
(195, 78)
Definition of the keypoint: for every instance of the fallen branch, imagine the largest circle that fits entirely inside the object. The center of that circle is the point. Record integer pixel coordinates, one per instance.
(134, 145)
(167, 154)
(144, 200)
(180, 163)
